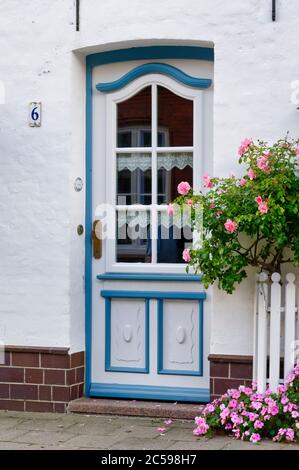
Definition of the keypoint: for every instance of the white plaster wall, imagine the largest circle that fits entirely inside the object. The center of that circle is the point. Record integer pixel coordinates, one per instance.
(41, 267)
(36, 216)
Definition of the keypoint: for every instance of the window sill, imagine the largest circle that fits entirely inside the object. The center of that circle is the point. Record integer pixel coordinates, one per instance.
(148, 277)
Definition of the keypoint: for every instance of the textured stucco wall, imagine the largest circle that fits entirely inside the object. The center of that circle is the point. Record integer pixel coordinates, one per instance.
(41, 267)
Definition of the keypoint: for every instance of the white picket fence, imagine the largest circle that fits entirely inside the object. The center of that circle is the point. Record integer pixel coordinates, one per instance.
(276, 329)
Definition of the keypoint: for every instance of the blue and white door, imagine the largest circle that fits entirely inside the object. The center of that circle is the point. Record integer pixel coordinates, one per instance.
(151, 129)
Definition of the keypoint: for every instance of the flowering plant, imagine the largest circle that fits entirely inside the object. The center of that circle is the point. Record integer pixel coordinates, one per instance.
(248, 221)
(249, 415)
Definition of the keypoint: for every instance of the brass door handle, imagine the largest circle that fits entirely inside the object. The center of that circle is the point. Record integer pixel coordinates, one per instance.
(97, 239)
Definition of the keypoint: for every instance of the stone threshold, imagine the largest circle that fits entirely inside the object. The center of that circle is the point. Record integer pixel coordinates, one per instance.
(150, 409)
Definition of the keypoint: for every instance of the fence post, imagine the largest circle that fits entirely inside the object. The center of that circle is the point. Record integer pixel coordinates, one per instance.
(289, 321)
(275, 319)
(262, 332)
(255, 330)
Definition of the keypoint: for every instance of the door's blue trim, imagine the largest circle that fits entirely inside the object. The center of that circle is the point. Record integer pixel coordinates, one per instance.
(102, 58)
(151, 53)
(108, 335)
(148, 392)
(160, 348)
(128, 294)
(88, 231)
(149, 277)
(145, 69)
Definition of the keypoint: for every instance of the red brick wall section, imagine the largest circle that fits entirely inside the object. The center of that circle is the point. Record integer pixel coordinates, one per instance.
(228, 372)
(40, 379)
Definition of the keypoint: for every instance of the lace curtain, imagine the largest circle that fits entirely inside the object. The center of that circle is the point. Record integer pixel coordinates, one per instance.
(143, 161)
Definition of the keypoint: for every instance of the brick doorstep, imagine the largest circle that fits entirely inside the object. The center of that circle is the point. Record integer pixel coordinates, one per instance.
(152, 409)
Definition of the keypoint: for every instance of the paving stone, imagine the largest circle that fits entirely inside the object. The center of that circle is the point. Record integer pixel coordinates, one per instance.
(132, 443)
(43, 437)
(39, 431)
(7, 435)
(93, 442)
(42, 425)
(179, 434)
(36, 416)
(184, 445)
(14, 446)
(9, 423)
(138, 430)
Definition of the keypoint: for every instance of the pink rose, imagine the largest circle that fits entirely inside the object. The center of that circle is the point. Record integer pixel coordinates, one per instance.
(251, 174)
(297, 151)
(207, 182)
(263, 163)
(245, 146)
(230, 225)
(184, 188)
(170, 209)
(186, 255)
(263, 208)
(212, 205)
(242, 182)
(190, 203)
(259, 200)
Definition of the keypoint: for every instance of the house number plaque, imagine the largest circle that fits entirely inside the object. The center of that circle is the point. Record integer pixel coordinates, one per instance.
(35, 114)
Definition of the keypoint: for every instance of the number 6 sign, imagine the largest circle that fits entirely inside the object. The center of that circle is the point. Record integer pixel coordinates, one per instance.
(35, 114)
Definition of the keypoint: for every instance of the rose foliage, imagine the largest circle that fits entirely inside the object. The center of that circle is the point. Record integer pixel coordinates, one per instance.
(247, 221)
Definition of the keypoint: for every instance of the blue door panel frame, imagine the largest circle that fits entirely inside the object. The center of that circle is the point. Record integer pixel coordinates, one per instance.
(102, 58)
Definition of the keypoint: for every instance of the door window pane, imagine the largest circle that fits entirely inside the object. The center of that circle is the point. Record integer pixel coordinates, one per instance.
(175, 119)
(134, 178)
(134, 120)
(133, 237)
(173, 167)
(174, 235)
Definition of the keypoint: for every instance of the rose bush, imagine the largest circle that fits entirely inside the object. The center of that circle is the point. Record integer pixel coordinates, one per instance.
(247, 221)
(250, 416)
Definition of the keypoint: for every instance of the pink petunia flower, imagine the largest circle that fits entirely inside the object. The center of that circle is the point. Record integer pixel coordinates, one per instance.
(258, 424)
(233, 404)
(255, 437)
(230, 226)
(207, 181)
(202, 426)
(168, 422)
(273, 409)
(284, 400)
(290, 434)
(184, 188)
(209, 408)
(282, 388)
(186, 255)
(161, 430)
(251, 174)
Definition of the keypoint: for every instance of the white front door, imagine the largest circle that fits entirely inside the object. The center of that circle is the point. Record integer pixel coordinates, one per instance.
(150, 320)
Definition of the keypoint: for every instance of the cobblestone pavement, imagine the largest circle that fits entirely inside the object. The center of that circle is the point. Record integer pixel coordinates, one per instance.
(74, 431)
